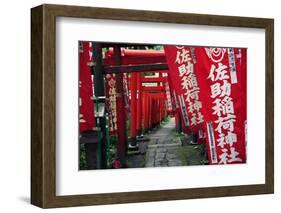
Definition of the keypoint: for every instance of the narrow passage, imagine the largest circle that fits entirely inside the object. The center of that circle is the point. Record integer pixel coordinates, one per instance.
(163, 147)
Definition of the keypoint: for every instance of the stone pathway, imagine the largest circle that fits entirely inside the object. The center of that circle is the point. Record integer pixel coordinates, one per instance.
(163, 147)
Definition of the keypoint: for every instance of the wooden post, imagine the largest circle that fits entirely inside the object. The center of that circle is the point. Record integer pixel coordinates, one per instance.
(121, 121)
(133, 109)
(153, 112)
(150, 112)
(139, 102)
(145, 111)
(100, 92)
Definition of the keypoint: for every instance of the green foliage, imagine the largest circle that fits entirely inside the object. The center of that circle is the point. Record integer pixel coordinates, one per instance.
(148, 74)
(165, 120)
(191, 154)
(181, 135)
(128, 125)
(82, 157)
(112, 150)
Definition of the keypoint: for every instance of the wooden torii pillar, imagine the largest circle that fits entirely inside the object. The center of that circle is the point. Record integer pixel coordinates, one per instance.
(145, 111)
(139, 105)
(118, 68)
(133, 109)
(120, 102)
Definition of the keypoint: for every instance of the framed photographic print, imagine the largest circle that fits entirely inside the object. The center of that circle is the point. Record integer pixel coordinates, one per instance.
(136, 106)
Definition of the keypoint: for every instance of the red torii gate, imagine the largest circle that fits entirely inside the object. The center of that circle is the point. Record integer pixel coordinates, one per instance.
(154, 107)
(141, 96)
(148, 106)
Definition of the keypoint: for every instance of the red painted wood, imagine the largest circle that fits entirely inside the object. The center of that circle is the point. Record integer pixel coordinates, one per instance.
(139, 53)
(149, 111)
(145, 110)
(121, 121)
(139, 103)
(156, 88)
(153, 79)
(148, 103)
(133, 105)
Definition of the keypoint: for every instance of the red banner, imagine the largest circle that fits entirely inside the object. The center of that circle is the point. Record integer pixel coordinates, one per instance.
(111, 106)
(168, 101)
(183, 79)
(111, 95)
(86, 105)
(222, 79)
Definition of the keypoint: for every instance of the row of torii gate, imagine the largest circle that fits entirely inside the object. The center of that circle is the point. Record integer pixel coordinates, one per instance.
(149, 101)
